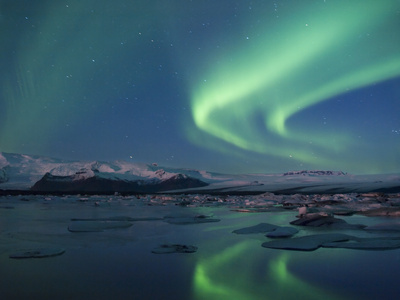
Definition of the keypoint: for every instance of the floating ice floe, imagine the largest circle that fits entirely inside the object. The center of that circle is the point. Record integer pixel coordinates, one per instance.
(119, 218)
(260, 228)
(384, 243)
(334, 240)
(282, 232)
(274, 231)
(318, 220)
(38, 253)
(182, 219)
(306, 243)
(174, 248)
(97, 226)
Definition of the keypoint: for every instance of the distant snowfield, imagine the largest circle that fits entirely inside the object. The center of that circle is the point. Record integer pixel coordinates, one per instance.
(307, 184)
(22, 172)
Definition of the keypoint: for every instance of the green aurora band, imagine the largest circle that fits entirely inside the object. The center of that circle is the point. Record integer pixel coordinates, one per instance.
(311, 56)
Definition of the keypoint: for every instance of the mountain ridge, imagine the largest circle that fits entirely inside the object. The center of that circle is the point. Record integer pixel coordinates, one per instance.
(42, 174)
(21, 171)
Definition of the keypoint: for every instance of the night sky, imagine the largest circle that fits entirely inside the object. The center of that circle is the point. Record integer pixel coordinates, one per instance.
(228, 86)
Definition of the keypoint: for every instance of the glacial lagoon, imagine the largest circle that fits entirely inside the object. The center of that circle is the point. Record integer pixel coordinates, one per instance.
(118, 262)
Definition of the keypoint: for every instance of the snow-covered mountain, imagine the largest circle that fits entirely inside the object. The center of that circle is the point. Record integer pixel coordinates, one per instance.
(42, 174)
(19, 171)
(101, 184)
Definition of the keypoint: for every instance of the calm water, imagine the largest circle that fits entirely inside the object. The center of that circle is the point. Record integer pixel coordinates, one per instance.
(118, 264)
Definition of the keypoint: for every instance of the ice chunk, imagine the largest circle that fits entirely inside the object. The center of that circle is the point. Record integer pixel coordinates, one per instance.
(97, 226)
(189, 220)
(302, 211)
(282, 232)
(306, 243)
(119, 218)
(184, 219)
(366, 244)
(317, 220)
(174, 248)
(260, 228)
(38, 253)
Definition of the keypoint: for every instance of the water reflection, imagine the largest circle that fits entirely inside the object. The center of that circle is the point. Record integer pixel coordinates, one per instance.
(245, 271)
(119, 263)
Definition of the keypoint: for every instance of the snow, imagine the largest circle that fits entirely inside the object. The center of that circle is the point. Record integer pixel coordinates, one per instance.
(3, 161)
(23, 171)
(19, 171)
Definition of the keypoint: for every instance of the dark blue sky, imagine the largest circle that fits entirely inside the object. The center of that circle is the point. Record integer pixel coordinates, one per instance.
(230, 86)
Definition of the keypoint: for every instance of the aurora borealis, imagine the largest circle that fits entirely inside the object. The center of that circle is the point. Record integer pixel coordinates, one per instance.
(229, 86)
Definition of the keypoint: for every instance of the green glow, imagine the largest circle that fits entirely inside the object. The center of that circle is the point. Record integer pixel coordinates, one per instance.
(295, 287)
(206, 287)
(308, 57)
(59, 59)
(231, 273)
(43, 79)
